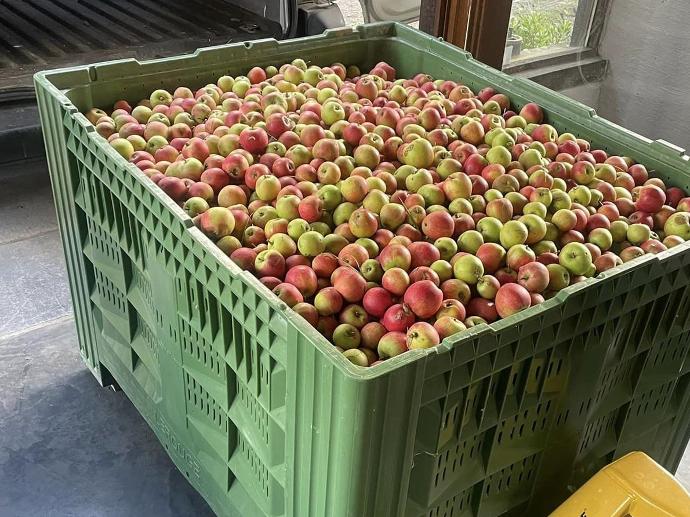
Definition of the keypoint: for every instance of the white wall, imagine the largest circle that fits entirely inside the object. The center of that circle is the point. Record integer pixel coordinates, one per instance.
(647, 88)
(587, 94)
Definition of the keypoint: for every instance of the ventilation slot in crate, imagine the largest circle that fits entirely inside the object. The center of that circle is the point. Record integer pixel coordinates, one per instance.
(528, 422)
(653, 401)
(259, 470)
(596, 430)
(195, 346)
(254, 410)
(147, 336)
(465, 456)
(459, 505)
(199, 398)
(612, 379)
(110, 294)
(513, 477)
(103, 245)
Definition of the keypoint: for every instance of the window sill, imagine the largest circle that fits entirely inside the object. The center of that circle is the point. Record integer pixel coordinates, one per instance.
(566, 69)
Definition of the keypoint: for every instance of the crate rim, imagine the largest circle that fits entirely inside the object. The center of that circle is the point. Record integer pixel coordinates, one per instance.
(354, 372)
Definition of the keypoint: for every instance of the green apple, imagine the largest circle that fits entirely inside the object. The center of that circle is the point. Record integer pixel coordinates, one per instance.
(470, 241)
(469, 269)
(559, 277)
(638, 233)
(576, 258)
(512, 233)
(535, 207)
(678, 224)
(443, 269)
(601, 237)
(561, 200)
(536, 227)
(447, 247)
(530, 158)
(580, 194)
(490, 228)
(619, 230)
(499, 155)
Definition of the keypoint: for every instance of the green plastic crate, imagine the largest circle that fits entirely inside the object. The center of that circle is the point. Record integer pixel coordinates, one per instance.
(259, 411)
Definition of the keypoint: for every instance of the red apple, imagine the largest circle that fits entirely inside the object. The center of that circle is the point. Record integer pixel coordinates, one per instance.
(398, 318)
(424, 298)
(512, 298)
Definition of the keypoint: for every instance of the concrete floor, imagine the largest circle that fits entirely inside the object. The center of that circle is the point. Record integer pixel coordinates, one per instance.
(67, 446)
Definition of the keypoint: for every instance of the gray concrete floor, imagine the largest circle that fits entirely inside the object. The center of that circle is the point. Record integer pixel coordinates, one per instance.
(67, 446)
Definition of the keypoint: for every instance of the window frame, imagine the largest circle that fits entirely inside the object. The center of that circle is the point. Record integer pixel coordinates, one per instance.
(482, 30)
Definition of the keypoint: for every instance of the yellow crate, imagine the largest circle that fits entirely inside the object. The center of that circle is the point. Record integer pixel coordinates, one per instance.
(632, 486)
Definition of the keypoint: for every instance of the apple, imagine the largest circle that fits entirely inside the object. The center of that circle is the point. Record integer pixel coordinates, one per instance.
(601, 237)
(371, 334)
(346, 336)
(324, 264)
(376, 301)
(534, 277)
(349, 283)
(353, 255)
(519, 255)
(653, 246)
(448, 326)
(396, 281)
(288, 293)
(678, 224)
(395, 256)
(423, 253)
(650, 199)
(576, 258)
(583, 172)
(513, 233)
(363, 223)
(438, 224)
(304, 278)
(501, 209)
(511, 299)
(311, 244)
(392, 344)
(488, 286)
(638, 233)
(398, 318)
(532, 113)
(483, 308)
(607, 261)
(424, 298)
(328, 301)
(631, 253)
(269, 263)
(456, 289)
(492, 256)
(471, 240)
(354, 315)
(468, 268)
(422, 335)
(216, 222)
(308, 312)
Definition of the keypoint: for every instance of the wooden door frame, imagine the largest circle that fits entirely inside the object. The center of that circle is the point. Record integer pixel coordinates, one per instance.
(479, 26)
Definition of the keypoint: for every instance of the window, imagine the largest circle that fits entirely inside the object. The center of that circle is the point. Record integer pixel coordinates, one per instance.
(553, 42)
(540, 28)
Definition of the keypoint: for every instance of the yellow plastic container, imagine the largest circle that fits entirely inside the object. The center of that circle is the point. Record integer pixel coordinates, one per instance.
(632, 486)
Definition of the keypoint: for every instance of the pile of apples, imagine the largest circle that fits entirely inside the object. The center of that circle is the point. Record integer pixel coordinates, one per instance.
(393, 213)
